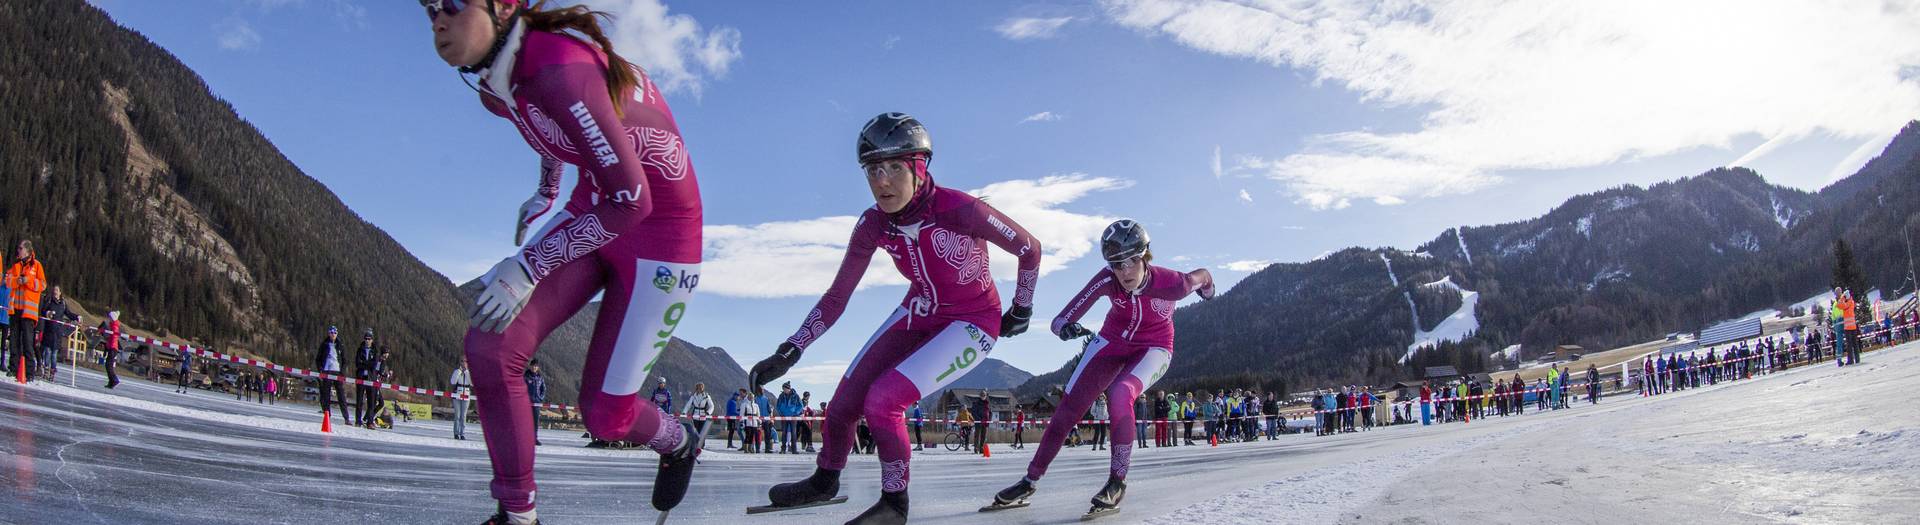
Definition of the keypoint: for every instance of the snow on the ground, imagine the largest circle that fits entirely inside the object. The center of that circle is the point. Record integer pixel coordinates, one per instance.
(1508, 353)
(1816, 444)
(1462, 238)
(1461, 323)
(1821, 299)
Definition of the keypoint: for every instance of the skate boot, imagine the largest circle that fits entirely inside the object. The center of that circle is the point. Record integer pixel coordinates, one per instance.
(1107, 501)
(822, 488)
(1012, 497)
(676, 469)
(890, 510)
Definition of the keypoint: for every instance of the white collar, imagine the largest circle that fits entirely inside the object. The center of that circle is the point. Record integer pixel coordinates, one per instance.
(496, 78)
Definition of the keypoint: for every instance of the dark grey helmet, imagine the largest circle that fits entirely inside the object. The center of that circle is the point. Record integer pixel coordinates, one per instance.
(1123, 239)
(892, 135)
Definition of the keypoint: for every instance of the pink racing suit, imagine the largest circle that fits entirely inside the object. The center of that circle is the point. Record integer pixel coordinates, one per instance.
(631, 229)
(1132, 351)
(947, 323)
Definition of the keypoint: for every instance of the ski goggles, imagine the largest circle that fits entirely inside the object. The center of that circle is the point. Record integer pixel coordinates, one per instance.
(435, 8)
(1124, 264)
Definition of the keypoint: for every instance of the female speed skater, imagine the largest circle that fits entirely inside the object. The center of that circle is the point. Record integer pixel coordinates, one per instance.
(631, 229)
(1131, 352)
(948, 322)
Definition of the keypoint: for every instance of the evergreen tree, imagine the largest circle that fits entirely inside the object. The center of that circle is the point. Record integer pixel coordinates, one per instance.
(1846, 270)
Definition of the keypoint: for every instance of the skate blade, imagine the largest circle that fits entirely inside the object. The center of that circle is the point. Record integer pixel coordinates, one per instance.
(662, 520)
(1009, 506)
(772, 508)
(1099, 513)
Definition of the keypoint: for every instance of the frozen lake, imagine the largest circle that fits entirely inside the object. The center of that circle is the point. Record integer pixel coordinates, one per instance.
(1816, 444)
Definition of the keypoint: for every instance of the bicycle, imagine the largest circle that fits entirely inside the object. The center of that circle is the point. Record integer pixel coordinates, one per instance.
(955, 440)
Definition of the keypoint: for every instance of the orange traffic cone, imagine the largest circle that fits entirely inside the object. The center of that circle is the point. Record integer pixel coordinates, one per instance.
(20, 372)
(985, 451)
(326, 422)
(1214, 439)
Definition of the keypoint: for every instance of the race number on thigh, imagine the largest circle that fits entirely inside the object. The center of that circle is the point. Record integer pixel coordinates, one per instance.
(660, 294)
(1153, 366)
(1086, 356)
(956, 350)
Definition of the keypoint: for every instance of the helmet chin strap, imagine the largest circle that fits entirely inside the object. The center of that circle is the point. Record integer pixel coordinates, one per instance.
(502, 29)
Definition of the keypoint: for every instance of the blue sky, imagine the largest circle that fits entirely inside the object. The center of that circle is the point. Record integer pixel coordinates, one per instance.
(1239, 132)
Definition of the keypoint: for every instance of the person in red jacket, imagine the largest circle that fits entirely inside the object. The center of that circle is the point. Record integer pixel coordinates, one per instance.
(1426, 404)
(113, 347)
(1019, 425)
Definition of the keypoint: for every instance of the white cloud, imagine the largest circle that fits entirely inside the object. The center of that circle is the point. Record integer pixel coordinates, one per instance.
(678, 54)
(1246, 266)
(1860, 155)
(891, 41)
(237, 34)
(1031, 28)
(1556, 85)
(799, 258)
(1217, 170)
(826, 373)
(1244, 196)
(1762, 150)
(1044, 116)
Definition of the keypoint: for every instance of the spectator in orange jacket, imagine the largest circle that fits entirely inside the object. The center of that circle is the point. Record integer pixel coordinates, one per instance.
(27, 279)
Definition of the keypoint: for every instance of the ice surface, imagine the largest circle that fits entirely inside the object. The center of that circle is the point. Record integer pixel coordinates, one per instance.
(1817, 444)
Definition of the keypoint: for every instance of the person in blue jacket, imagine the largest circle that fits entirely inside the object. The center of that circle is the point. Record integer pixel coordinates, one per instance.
(733, 415)
(918, 421)
(788, 406)
(662, 397)
(767, 437)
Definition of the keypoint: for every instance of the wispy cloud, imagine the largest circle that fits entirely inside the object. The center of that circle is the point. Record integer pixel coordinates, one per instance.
(825, 373)
(1246, 266)
(236, 34)
(1244, 196)
(799, 258)
(1860, 155)
(1031, 28)
(678, 54)
(891, 41)
(1044, 116)
(1762, 150)
(1554, 85)
(1217, 169)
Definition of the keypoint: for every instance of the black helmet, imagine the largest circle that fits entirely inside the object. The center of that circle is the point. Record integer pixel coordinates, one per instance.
(892, 135)
(1123, 239)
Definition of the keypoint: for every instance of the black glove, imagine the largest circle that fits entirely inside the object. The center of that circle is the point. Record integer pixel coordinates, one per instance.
(1014, 322)
(1072, 331)
(773, 366)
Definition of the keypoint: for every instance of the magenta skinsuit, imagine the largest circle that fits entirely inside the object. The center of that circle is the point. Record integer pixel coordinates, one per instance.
(1133, 350)
(630, 229)
(947, 323)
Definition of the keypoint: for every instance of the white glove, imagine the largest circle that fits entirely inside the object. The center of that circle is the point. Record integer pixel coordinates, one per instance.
(532, 209)
(508, 289)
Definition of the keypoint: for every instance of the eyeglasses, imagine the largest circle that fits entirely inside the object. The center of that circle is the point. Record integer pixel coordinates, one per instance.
(436, 7)
(1123, 264)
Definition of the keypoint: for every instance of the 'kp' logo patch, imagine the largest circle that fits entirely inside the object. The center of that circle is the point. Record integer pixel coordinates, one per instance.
(663, 279)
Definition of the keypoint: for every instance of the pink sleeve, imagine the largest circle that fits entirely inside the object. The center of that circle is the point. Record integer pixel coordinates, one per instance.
(577, 95)
(852, 267)
(551, 169)
(997, 228)
(1101, 284)
(1167, 284)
